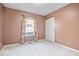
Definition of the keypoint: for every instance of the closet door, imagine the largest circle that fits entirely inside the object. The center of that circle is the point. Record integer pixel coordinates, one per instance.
(50, 29)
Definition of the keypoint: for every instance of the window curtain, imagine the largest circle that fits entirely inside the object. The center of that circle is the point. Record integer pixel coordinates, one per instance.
(36, 29)
(35, 38)
(22, 29)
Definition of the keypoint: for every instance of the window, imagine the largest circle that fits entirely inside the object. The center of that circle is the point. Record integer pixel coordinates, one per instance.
(29, 27)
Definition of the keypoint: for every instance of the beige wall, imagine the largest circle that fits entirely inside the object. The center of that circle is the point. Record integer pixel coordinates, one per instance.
(41, 27)
(1, 18)
(12, 26)
(67, 25)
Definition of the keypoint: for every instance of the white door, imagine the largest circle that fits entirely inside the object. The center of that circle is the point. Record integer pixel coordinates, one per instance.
(50, 29)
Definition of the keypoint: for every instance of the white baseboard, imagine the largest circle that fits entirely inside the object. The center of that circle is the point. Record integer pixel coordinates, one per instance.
(67, 47)
(21, 44)
(11, 45)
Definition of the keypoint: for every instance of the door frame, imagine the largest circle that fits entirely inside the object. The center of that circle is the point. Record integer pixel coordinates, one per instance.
(54, 40)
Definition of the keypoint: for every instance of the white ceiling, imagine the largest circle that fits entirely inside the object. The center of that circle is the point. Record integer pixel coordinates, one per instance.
(37, 8)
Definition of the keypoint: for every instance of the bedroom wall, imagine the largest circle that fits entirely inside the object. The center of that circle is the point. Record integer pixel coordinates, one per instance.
(67, 25)
(12, 25)
(1, 22)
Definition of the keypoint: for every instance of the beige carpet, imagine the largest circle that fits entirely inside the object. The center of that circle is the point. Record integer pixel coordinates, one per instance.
(41, 48)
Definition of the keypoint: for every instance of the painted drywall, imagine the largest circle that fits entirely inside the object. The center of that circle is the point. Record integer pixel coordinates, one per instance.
(41, 27)
(1, 20)
(12, 26)
(67, 25)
